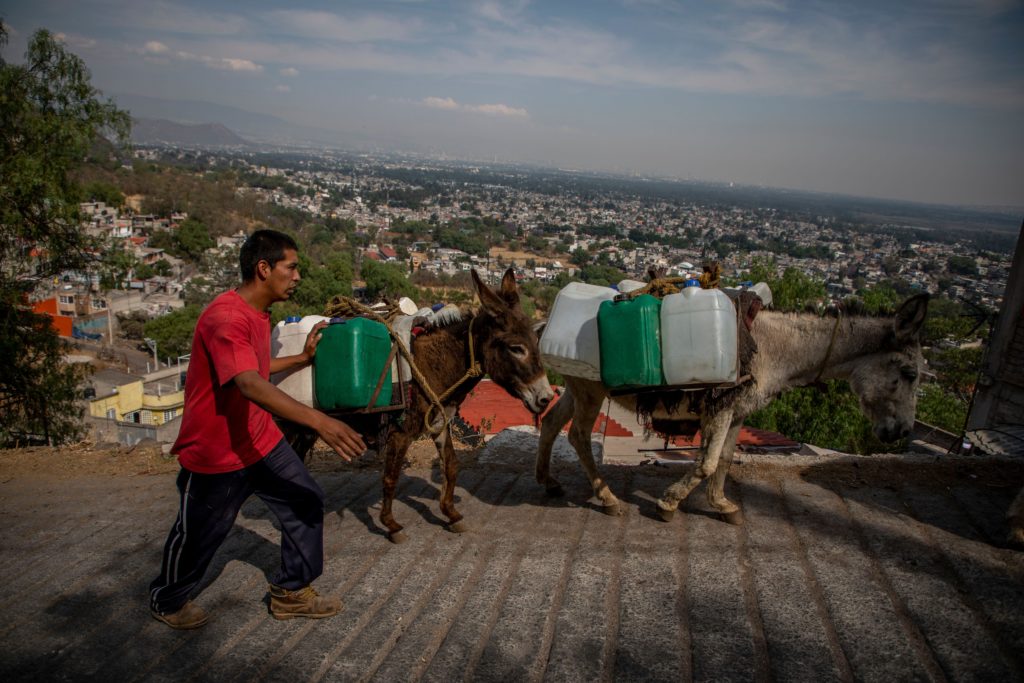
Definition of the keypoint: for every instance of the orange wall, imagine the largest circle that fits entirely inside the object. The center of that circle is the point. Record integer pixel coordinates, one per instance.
(61, 323)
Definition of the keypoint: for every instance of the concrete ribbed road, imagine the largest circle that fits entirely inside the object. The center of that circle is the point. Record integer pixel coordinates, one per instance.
(843, 571)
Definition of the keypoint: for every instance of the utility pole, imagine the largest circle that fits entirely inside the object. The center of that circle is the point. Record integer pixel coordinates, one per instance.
(151, 343)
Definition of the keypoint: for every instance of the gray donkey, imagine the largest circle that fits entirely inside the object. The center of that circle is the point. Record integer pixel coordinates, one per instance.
(880, 357)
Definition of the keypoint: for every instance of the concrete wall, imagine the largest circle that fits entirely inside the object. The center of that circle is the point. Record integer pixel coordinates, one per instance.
(129, 433)
(1000, 396)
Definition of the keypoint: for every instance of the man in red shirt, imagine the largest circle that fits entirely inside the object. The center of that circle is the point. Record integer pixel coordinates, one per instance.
(230, 448)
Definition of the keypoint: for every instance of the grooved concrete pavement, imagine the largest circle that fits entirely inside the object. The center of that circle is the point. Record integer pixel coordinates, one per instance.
(860, 569)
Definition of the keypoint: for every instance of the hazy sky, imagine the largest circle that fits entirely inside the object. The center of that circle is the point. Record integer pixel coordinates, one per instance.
(910, 99)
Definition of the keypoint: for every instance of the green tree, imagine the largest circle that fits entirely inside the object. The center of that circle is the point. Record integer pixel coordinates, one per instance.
(100, 191)
(386, 279)
(52, 116)
(173, 332)
(320, 283)
(830, 421)
(193, 239)
(941, 408)
(795, 290)
(962, 265)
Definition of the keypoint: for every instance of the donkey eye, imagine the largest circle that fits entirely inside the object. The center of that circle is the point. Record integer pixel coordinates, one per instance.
(518, 350)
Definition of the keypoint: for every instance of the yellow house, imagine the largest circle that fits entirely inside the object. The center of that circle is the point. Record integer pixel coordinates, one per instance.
(128, 398)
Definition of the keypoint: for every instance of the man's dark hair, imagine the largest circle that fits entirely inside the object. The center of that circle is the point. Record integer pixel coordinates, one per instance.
(263, 245)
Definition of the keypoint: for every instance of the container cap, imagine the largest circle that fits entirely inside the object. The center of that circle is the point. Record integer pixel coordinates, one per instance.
(407, 306)
(692, 282)
(437, 307)
(293, 319)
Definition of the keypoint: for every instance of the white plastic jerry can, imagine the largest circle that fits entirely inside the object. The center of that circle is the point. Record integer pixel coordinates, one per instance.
(288, 339)
(698, 336)
(570, 344)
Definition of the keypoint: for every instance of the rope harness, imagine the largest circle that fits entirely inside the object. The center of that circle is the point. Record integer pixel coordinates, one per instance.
(663, 286)
(345, 306)
(828, 352)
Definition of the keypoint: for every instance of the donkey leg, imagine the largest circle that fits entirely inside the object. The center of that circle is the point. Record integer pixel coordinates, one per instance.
(713, 434)
(1015, 516)
(394, 449)
(716, 485)
(449, 474)
(550, 427)
(300, 438)
(587, 408)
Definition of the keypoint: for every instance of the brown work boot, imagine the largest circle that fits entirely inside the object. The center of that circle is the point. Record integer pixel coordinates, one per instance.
(189, 616)
(305, 602)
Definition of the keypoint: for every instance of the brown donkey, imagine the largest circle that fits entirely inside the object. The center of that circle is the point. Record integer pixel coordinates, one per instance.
(501, 339)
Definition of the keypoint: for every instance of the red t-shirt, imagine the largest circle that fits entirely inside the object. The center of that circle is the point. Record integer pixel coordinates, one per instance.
(222, 430)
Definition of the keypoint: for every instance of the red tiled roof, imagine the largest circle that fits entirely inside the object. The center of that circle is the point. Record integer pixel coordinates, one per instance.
(491, 407)
(749, 436)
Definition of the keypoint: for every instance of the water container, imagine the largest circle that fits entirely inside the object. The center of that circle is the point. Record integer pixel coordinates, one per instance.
(349, 361)
(288, 339)
(630, 333)
(698, 337)
(764, 291)
(570, 342)
(761, 289)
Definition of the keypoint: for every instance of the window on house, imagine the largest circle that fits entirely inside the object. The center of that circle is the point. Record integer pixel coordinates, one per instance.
(66, 299)
(147, 417)
(111, 414)
(168, 415)
(99, 304)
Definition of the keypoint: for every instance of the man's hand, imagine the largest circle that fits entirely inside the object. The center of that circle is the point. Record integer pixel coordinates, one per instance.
(345, 441)
(312, 339)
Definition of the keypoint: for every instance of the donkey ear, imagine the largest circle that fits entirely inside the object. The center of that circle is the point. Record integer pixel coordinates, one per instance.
(509, 290)
(538, 328)
(490, 301)
(910, 317)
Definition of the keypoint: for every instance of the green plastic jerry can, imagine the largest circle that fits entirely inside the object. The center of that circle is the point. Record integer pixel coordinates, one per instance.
(630, 335)
(349, 360)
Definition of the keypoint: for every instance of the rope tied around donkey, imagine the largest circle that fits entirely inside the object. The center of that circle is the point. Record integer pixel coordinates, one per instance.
(347, 307)
(661, 287)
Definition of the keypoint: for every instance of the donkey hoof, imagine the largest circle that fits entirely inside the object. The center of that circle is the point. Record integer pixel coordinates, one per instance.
(613, 510)
(666, 515)
(398, 537)
(555, 491)
(459, 527)
(735, 517)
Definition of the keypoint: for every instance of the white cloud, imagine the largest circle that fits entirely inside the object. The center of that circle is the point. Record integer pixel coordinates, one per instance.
(75, 41)
(344, 29)
(160, 53)
(440, 103)
(289, 71)
(228, 64)
(282, 88)
(498, 110)
(449, 104)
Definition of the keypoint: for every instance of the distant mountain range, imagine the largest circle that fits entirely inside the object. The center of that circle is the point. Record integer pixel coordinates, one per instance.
(253, 126)
(155, 131)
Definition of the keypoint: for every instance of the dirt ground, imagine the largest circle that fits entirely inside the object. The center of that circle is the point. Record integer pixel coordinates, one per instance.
(92, 459)
(146, 458)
